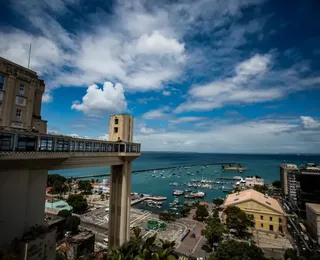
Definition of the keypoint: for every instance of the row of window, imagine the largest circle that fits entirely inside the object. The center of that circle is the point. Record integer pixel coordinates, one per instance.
(270, 218)
(21, 88)
(29, 143)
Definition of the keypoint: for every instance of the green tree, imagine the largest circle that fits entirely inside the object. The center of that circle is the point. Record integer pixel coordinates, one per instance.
(185, 211)
(85, 186)
(218, 201)
(64, 213)
(238, 220)
(276, 184)
(103, 197)
(72, 224)
(167, 216)
(139, 249)
(57, 183)
(234, 250)
(78, 203)
(60, 256)
(261, 188)
(201, 212)
(291, 254)
(214, 230)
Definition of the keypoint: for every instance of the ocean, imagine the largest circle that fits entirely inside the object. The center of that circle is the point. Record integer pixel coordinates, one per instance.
(266, 166)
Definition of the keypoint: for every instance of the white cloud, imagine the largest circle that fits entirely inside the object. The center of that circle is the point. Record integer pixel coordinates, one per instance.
(146, 130)
(187, 119)
(256, 136)
(46, 98)
(74, 135)
(159, 113)
(166, 93)
(109, 99)
(242, 88)
(309, 123)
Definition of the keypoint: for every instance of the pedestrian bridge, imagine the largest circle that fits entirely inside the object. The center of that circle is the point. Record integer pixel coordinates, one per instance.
(27, 150)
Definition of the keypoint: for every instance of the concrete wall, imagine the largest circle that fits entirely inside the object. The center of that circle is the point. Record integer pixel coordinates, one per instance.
(120, 204)
(262, 216)
(22, 200)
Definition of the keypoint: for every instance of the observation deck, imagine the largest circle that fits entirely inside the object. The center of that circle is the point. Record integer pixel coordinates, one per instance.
(21, 150)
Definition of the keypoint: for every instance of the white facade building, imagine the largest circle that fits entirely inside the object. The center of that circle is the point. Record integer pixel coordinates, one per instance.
(251, 181)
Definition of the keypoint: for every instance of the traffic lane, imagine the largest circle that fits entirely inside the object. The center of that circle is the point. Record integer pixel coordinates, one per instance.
(295, 233)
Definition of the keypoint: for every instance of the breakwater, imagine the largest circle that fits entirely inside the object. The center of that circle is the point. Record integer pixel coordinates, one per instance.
(150, 170)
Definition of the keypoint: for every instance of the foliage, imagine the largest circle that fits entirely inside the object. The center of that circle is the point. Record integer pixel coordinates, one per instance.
(78, 203)
(60, 256)
(238, 220)
(167, 216)
(201, 212)
(276, 184)
(261, 188)
(232, 249)
(57, 183)
(138, 249)
(72, 224)
(85, 186)
(64, 213)
(218, 201)
(291, 254)
(214, 230)
(185, 211)
(102, 196)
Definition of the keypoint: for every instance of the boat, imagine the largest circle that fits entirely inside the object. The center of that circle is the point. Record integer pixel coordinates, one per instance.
(198, 194)
(178, 192)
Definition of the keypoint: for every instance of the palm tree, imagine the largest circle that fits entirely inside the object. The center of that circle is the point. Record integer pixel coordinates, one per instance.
(139, 249)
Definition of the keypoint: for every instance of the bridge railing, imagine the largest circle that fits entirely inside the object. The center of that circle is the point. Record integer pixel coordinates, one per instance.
(34, 142)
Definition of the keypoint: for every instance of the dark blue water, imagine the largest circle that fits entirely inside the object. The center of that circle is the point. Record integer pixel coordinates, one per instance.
(265, 166)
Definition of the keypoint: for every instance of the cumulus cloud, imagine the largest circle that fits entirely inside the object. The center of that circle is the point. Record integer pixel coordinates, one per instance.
(159, 113)
(110, 99)
(166, 93)
(146, 130)
(46, 98)
(309, 123)
(253, 82)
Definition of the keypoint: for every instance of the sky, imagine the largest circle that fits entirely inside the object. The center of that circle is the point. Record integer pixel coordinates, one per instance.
(219, 76)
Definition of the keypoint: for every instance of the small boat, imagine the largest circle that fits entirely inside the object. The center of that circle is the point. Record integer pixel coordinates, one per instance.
(178, 192)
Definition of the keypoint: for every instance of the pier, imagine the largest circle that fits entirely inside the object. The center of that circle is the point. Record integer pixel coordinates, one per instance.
(148, 170)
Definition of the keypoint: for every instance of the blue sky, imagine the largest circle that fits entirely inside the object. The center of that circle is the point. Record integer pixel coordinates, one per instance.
(208, 75)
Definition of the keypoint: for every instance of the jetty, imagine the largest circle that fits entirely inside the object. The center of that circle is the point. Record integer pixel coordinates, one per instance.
(149, 170)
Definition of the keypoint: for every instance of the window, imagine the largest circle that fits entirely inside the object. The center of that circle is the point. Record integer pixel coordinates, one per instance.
(270, 218)
(116, 121)
(1, 82)
(20, 101)
(261, 217)
(280, 220)
(21, 90)
(18, 114)
(271, 227)
(115, 130)
(261, 224)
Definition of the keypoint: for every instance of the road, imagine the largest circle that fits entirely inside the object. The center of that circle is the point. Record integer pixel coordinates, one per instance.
(293, 227)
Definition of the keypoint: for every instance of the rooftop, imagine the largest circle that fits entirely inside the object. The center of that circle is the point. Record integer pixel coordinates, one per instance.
(289, 166)
(314, 207)
(250, 194)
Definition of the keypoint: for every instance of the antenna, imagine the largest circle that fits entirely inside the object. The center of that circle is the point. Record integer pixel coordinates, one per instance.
(29, 56)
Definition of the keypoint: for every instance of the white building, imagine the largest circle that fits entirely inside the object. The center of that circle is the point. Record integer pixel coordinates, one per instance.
(313, 220)
(251, 181)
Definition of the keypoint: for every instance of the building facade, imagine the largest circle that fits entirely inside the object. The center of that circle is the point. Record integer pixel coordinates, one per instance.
(267, 212)
(121, 128)
(300, 185)
(20, 98)
(313, 220)
(254, 180)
